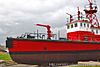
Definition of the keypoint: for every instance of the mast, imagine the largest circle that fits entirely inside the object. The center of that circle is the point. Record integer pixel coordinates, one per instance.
(71, 17)
(90, 11)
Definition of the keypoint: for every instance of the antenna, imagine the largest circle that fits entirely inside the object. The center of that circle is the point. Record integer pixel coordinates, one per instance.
(78, 13)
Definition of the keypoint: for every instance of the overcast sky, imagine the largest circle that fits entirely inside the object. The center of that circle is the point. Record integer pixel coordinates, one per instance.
(19, 16)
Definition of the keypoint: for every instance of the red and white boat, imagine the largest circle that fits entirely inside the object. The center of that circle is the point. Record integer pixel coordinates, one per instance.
(82, 42)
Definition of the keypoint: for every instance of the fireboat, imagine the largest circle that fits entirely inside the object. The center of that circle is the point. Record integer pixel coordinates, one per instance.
(82, 42)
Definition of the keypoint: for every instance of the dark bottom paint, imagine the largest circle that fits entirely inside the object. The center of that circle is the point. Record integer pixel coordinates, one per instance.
(56, 57)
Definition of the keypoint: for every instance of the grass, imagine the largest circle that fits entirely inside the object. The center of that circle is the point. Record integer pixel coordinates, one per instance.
(5, 56)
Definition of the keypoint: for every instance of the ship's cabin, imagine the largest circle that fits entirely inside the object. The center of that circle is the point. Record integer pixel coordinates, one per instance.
(82, 30)
(81, 25)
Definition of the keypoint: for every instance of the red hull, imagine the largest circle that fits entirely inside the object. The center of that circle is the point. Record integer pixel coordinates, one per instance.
(49, 51)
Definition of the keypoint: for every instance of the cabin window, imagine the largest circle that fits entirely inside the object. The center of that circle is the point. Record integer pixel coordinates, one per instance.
(68, 27)
(75, 24)
(81, 24)
(97, 31)
(93, 31)
(88, 25)
(84, 25)
(72, 26)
